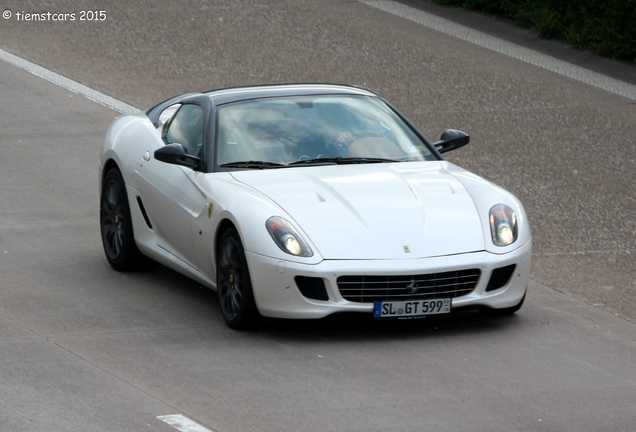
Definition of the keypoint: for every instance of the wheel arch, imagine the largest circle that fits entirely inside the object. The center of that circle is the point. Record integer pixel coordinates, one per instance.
(223, 226)
(108, 165)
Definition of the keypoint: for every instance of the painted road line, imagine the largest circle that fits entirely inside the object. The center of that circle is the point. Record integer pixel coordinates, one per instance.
(442, 25)
(182, 423)
(509, 49)
(69, 84)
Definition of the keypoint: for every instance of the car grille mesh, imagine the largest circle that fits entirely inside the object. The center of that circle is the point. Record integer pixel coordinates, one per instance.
(367, 289)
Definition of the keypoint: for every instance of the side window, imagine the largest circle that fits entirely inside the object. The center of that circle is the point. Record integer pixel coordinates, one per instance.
(187, 129)
(167, 114)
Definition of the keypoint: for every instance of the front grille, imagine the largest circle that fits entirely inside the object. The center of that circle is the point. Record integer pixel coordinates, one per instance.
(367, 289)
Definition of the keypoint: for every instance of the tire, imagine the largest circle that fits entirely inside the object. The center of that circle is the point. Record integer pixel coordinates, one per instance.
(116, 224)
(234, 286)
(505, 311)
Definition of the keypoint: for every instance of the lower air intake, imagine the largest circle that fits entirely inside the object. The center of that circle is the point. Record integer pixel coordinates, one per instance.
(312, 288)
(500, 277)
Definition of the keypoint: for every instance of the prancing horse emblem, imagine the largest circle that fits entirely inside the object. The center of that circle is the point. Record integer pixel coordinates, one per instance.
(412, 287)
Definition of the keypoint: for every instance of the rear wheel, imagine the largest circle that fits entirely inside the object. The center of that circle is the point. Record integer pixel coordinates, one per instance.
(116, 224)
(234, 286)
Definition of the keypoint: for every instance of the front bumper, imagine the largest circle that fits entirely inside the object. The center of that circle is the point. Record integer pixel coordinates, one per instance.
(277, 294)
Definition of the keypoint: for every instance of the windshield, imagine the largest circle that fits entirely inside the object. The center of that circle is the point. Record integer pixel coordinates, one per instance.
(291, 131)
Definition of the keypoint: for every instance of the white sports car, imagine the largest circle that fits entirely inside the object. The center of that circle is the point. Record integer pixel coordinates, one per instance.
(301, 201)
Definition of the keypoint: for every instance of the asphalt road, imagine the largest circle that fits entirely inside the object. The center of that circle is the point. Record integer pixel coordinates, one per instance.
(85, 348)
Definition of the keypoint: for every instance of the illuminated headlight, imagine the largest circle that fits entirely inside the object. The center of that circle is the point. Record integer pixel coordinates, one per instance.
(287, 237)
(503, 225)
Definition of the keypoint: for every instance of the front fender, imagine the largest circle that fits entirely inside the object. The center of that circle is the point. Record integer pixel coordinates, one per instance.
(127, 139)
(485, 195)
(247, 210)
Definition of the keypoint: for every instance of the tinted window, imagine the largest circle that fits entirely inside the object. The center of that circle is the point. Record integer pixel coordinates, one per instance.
(286, 130)
(167, 114)
(187, 129)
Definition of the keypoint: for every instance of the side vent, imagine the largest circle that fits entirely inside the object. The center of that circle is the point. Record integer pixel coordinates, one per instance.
(312, 288)
(500, 277)
(143, 212)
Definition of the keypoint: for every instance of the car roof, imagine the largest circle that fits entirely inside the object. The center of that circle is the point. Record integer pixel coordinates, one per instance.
(228, 95)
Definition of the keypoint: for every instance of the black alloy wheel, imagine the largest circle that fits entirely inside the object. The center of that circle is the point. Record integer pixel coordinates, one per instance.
(234, 286)
(116, 224)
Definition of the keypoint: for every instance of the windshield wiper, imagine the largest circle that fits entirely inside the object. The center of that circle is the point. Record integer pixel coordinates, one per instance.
(252, 164)
(343, 160)
(316, 161)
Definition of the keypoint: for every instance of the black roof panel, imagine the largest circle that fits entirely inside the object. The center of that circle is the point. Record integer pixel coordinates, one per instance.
(223, 96)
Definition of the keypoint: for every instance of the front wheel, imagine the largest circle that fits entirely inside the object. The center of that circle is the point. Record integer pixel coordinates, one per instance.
(234, 286)
(116, 224)
(505, 311)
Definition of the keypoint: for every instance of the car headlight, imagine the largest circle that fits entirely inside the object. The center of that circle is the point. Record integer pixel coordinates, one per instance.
(503, 225)
(287, 237)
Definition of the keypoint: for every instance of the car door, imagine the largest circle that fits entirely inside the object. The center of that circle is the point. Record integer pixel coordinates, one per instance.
(169, 193)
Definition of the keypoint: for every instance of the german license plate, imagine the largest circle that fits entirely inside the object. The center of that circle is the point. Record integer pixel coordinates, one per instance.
(411, 308)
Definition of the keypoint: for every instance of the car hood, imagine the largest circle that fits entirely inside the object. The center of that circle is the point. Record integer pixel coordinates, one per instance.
(375, 211)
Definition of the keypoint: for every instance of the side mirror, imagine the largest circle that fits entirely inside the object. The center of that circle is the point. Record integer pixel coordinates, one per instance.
(175, 154)
(451, 139)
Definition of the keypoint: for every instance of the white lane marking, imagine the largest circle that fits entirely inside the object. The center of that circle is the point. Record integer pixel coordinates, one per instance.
(71, 85)
(442, 25)
(588, 252)
(182, 423)
(509, 49)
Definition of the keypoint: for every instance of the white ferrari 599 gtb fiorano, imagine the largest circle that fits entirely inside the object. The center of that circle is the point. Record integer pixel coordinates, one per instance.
(300, 201)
